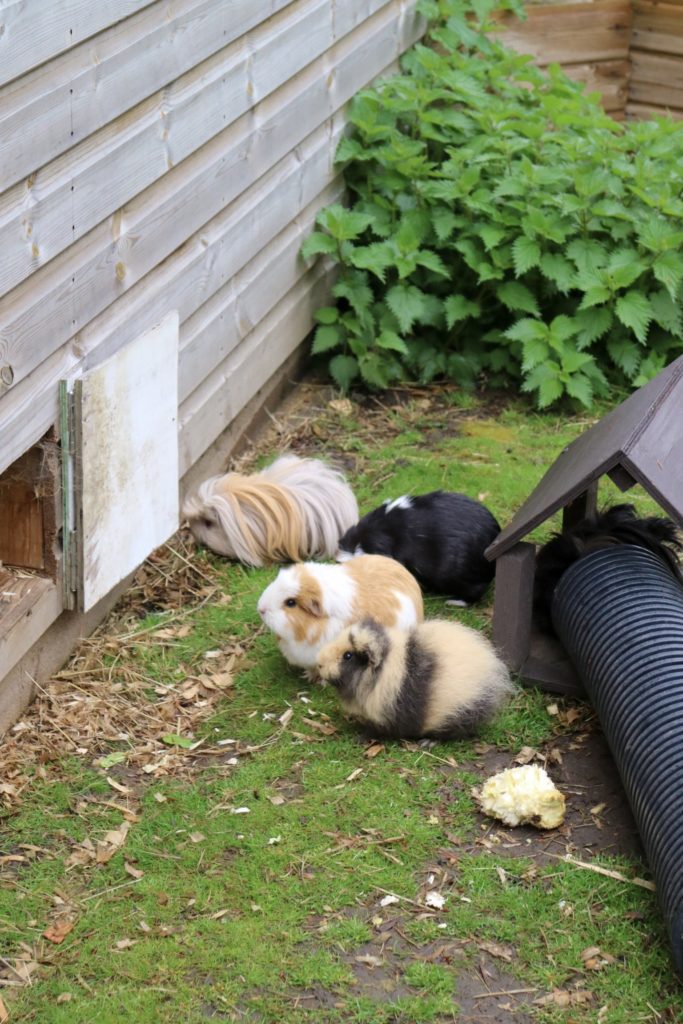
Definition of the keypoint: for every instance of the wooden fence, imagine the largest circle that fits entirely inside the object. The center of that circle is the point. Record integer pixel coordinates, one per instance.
(631, 53)
(590, 40)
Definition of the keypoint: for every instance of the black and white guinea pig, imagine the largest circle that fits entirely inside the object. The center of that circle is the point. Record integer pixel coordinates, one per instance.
(618, 524)
(440, 537)
(439, 679)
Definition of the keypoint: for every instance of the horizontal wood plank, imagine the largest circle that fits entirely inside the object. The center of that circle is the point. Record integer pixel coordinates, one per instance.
(64, 200)
(662, 72)
(609, 78)
(220, 324)
(55, 107)
(641, 111)
(211, 408)
(61, 298)
(28, 606)
(34, 32)
(548, 47)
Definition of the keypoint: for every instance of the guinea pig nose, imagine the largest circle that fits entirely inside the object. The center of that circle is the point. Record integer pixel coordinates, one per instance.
(261, 609)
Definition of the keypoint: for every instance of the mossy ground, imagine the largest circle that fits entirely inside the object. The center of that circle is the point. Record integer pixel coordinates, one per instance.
(274, 915)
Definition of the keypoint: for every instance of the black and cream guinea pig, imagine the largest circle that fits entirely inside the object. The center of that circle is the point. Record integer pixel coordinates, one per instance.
(440, 537)
(439, 679)
(619, 524)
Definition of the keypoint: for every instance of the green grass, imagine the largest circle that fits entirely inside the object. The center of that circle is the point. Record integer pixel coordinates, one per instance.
(262, 917)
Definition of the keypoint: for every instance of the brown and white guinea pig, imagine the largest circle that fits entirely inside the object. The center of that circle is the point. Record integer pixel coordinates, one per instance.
(295, 508)
(440, 679)
(440, 537)
(618, 524)
(309, 604)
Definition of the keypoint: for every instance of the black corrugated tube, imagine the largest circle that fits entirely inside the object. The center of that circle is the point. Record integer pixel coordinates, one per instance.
(619, 614)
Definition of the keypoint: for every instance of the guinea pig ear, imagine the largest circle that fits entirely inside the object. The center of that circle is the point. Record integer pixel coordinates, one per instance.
(369, 641)
(311, 604)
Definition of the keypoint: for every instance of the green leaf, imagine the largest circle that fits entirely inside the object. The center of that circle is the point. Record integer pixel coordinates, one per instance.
(562, 327)
(591, 324)
(343, 224)
(668, 269)
(579, 386)
(573, 360)
(666, 312)
(432, 261)
(588, 255)
(634, 311)
(375, 257)
(327, 315)
(535, 352)
(444, 222)
(172, 739)
(406, 302)
(625, 354)
(391, 340)
(326, 337)
(545, 379)
(373, 371)
(516, 296)
(457, 307)
(527, 330)
(624, 267)
(491, 235)
(558, 270)
(116, 757)
(595, 296)
(317, 243)
(344, 370)
(526, 253)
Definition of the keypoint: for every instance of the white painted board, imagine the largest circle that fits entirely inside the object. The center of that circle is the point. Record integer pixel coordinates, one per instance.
(126, 459)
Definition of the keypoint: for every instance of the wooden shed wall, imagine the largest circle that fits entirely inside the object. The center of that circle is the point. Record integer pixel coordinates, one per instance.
(169, 154)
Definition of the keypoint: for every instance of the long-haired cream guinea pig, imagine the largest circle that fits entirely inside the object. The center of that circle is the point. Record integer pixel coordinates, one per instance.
(440, 679)
(308, 604)
(295, 508)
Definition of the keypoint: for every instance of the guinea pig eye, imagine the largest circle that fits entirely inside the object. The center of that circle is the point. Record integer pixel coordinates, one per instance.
(347, 655)
(207, 523)
(290, 602)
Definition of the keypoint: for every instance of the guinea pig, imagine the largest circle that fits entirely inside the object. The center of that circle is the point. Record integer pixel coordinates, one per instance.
(440, 537)
(308, 604)
(295, 508)
(618, 524)
(439, 679)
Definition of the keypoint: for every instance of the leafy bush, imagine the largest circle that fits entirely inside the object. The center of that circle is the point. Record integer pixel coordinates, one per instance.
(501, 224)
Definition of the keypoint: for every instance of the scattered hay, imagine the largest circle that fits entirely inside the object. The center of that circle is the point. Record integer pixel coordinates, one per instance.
(103, 696)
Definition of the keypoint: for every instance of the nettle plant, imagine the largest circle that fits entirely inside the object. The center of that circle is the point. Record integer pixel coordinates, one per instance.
(501, 224)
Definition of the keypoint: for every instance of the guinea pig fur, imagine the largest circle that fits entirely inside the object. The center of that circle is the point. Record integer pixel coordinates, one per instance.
(309, 604)
(440, 537)
(616, 525)
(440, 679)
(295, 508)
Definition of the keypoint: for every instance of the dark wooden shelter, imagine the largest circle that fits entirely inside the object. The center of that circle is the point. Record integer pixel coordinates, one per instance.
(641, 441)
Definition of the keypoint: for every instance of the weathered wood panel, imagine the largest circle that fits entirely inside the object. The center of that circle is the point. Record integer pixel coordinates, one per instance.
(656, 84)
(28, 606)
(58, 300)
(34, 32)
(91, 85)
(608, 77)
(126, 459)
(184, 281)
(61, 202)
(591, 42)
(211, 408)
